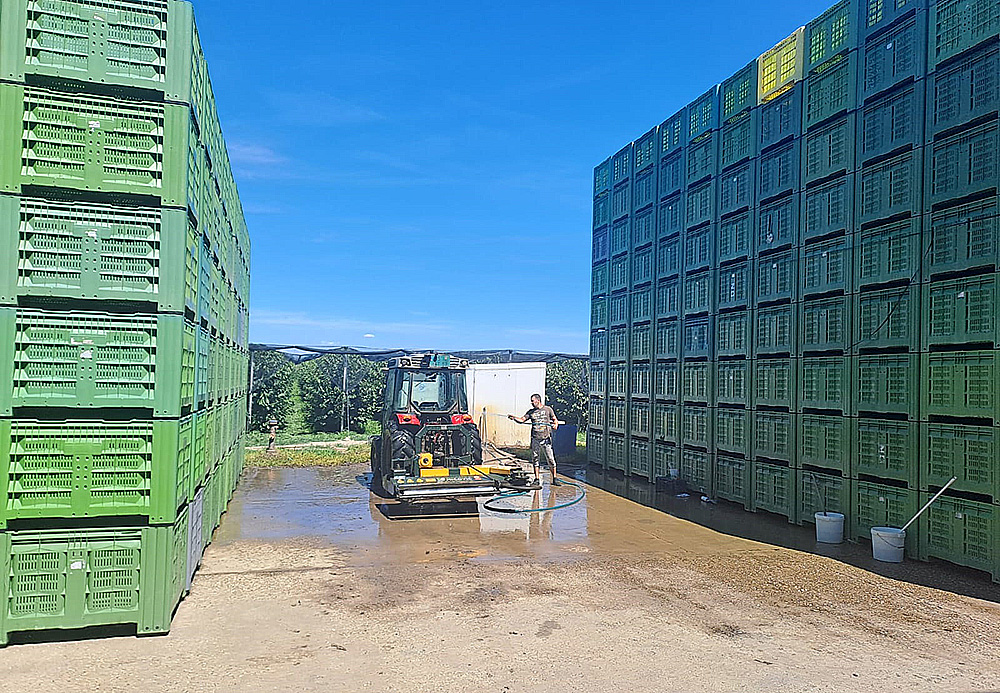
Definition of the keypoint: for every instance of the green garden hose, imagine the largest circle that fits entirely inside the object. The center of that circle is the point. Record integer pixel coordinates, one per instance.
(580, 497)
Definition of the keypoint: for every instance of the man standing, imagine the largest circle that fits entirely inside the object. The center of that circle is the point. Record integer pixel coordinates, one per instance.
(543, 422)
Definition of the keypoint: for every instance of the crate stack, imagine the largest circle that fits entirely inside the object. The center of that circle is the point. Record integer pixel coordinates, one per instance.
(823, 254)
(124, 280)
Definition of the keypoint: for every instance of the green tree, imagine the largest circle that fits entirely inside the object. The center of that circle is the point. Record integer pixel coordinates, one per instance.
(321, 384)
(566, 390)
(273, 383)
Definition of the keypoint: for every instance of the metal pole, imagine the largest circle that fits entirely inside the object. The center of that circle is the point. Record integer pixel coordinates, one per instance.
(344, 390)
(249, 395)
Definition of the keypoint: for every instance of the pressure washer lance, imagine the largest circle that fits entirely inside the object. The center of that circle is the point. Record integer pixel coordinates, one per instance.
(928, 504)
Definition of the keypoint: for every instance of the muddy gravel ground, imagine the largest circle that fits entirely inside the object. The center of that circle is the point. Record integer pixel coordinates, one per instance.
(312, 584)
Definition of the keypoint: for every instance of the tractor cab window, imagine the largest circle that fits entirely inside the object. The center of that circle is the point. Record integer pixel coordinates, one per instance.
(433, 391)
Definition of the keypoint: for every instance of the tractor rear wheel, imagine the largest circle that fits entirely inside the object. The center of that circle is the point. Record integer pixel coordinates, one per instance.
(476, 441)
(403, 445)
(377, 485)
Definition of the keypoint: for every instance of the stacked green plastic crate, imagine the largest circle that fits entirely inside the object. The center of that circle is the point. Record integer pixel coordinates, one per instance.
(123, 313)
(824, 252)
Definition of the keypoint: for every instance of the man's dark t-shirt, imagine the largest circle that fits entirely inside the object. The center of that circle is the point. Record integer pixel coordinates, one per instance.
(539, 417)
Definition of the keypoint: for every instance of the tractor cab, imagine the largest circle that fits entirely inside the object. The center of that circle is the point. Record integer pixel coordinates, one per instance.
(430, 446)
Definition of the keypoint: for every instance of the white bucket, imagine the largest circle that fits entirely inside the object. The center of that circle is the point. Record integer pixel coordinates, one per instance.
(888, 543)
(829, 528)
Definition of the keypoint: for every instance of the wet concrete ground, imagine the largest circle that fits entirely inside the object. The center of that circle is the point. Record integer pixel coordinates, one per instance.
(313, 584)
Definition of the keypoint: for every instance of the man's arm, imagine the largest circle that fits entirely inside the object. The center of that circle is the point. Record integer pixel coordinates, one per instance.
(552, 416)
(519, 419)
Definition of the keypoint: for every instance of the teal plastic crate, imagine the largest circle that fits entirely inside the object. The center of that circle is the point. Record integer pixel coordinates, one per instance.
(696, 469)
(736, 236)
(699, 244)
(733, 431)
(887, 384)
(668, 257)
(96, 143)
(825, 441)
(828, 209)
(824, 383)
(668, 298)
(890, 188)
(77, 469)
(825, 324)
(644, 152)
(896, 55)
(735, 286)
(702, 157)
(733, 333)
(618, 343)
(668, 338)
(69, 579)
(775, 331)
(701, 199)
(699, 293)
(777, 277)
(963, 164)
(957, 25)
(599, 344)
(829, 149)
(87, 360)
(887, 318)
(961, 311)
(672, 180)
(696, 382)
(597, 412)
(826, 267)
(666, 380)
(774, 436)
(882, 505)
(774, 489)
(963, 238)
(960, 92)
(100, 252)
(886, 449)
(639, 412)
(598, 379)
(739, 92)
(698, 334)
(618, 379)
(817, 492)
(738, 185)
(969, 453)
(831, 88)
(892, 121)
(963, 532)
(961, 383)
(778, 170)
(732, 479)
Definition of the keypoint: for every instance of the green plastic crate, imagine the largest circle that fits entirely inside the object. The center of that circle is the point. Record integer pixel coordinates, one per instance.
(896, 55)
(68, 579)
(888, 253)
(774, 382)
(696, 382)
(90, 360)
(733, 382)
(777, 276)
(74, 469)
(962, 383)
(144, 45)
(887, 383)
(696, 426)
(887, 318)
(833, 32)
(666, 422)
(697, 470)
(963, 164)
(666, 460)
(890, 188)
(956, 25)
(774, 489)
(733, 333)
(826, 267)
(666, 380)
(775, 330)
(732, 479)
(733, 431)
(736, 235)
(828, 150)
(886, 449)
(961, 311)
(639, 457)
(959, 93)
(735, 286)
(891, 121)
(825, 441)
(881, 505)
(617, 452)
(739, 92)
(831, 88)
(963, 238)
(824, 383)
(595, 446)
(817, 492)
(774, 436)
(88, 251)
(638, 417)
(970, 453)
(961, 531)
(825, 324)
(96, 143)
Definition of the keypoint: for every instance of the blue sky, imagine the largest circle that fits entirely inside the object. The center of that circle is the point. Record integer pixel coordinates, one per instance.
(421, 172)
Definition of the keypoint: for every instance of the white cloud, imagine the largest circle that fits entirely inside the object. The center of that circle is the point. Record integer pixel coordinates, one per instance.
(341, 323)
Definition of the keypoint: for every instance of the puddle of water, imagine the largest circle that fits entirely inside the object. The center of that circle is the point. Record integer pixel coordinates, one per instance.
(334, 505)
